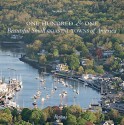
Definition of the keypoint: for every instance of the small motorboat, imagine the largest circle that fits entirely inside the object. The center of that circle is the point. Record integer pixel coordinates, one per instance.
(55, 87)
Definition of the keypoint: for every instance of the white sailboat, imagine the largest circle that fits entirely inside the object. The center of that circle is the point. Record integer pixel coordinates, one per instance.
(16, 82)
(78, 89)
(9, 96)
(66, 84)
(42, 102)
(52, 89)
(55, 88)
(1, 78)
(47, 96)
(38, 93)
(34, 104)
(74, 90)
(12, 104)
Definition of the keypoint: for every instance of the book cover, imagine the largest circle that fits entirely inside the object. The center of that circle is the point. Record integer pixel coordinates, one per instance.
(62, 62)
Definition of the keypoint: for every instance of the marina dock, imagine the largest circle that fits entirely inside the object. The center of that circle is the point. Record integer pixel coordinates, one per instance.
(8, 91)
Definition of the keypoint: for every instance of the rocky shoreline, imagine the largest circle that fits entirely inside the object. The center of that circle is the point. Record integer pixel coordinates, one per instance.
(35, 63)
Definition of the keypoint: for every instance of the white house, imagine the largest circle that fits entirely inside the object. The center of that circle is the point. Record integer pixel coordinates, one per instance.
(61, 67)
(108, 53)
(84, 62)
(42, 52)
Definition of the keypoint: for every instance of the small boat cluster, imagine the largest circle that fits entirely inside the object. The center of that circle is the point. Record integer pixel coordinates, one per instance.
(8, 91)
(44, 92)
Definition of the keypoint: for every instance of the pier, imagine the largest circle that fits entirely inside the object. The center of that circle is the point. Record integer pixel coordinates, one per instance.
(11, 44)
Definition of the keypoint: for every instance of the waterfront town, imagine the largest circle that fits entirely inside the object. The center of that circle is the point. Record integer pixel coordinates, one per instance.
(111, 89)
(61, 62)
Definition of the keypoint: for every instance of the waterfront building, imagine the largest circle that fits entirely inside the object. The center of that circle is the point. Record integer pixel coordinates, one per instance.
(42, 52)
(61, 67)
(88, 78)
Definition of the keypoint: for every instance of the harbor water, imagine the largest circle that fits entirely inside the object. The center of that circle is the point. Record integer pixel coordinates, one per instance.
(12, 67)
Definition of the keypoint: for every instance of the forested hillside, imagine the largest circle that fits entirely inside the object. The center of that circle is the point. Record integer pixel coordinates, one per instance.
(106, 34)
(75, 116)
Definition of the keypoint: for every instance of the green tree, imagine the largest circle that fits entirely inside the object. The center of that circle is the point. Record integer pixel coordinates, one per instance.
(110, 60)
(42, 59)
(71, 120)
(99, 117)
(80, 70)
(99, 69)
(121, 54)
(90, 116)
(16, 115)
(7, 110)
(64, 48)
(73, 62)
(37, 45)
(33, 48)
(74, 110)
(115, 66)
(55, 53)
(89, 71)
(108, 45)
(22, 123)
(26, 113)
(117, 46)
(84, 51)
(48, 112)
(37, 117)
(89, 63)
(81, 121)
(5, 118)
(114, 114)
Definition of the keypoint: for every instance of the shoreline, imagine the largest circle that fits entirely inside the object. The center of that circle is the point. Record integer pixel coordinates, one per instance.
(35, 63)
(49, 69)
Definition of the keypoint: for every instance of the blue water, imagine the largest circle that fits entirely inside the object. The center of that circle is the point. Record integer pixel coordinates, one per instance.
(9, 60)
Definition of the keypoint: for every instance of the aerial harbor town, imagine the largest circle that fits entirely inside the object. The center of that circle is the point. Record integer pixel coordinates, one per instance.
(62, 62)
